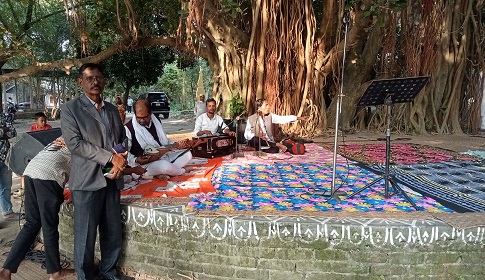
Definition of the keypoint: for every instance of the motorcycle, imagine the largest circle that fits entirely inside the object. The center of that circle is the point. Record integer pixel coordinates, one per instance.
(10, 112)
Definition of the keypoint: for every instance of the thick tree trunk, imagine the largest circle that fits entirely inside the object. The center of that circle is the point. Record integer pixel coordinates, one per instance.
(438, 107)
(276, 60)
(279, 49)
(363, 47)
(224, 47)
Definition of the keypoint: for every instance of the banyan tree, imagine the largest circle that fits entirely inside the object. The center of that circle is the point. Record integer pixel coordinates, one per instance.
(291, 53)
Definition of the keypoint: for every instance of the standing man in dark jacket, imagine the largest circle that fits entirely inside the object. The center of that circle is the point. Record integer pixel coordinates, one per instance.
(91, 128)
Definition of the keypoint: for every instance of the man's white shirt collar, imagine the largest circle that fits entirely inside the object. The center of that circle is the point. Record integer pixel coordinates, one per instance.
(94, 102)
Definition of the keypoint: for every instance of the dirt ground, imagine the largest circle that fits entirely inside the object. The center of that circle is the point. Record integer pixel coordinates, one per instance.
(457, 143)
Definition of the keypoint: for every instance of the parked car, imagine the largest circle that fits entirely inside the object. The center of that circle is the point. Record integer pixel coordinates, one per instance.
(159, 101)
(24, 105)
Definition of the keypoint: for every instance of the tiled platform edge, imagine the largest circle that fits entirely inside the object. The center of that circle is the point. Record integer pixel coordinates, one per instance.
(161, 240)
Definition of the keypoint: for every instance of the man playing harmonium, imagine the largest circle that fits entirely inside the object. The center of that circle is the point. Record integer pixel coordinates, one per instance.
(210, 123)
(149, 147)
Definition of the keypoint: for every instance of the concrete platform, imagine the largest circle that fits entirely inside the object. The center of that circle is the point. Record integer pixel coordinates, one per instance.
(162, 241)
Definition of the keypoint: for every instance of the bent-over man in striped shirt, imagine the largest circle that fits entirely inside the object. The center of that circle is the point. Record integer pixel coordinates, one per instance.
(45, 177)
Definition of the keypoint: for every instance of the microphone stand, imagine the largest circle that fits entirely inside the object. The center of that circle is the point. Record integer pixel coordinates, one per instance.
(237, 153)
(333, 190)
(259, 153)
(236, 119)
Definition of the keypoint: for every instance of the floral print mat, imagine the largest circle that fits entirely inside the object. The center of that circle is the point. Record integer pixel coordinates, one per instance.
(290, 186)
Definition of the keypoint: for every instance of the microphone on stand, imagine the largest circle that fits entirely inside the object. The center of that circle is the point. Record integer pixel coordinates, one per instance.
(219, 130)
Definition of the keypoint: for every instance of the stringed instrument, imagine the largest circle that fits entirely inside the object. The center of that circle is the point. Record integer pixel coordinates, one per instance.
(184, 144)
(152, 153)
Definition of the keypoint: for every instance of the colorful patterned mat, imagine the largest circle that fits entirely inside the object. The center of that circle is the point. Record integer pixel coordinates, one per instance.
(401, 153)
(291, 186)
(199, 180)
(282, 182)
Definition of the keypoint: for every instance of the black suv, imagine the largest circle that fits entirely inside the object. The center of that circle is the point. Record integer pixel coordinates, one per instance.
(159, 102)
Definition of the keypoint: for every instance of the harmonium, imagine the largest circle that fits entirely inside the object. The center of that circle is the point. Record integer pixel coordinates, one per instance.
(214, 146)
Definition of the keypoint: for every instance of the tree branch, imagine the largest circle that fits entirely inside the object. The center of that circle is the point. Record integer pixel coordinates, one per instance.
(67, 64)
(28, 16)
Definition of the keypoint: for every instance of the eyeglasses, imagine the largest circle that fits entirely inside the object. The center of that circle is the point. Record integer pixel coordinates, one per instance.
(145, 118)
(90, 79)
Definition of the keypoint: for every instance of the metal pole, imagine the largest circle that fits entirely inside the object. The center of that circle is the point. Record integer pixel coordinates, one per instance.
(388, 103)
(345, 20)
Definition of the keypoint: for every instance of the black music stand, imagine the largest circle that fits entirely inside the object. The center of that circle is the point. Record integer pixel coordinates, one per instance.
(388, 92)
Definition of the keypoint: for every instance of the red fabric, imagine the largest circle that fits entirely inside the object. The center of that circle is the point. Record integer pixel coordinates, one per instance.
(204, 183)
(293, 147)
(298, 149)
(35, 128)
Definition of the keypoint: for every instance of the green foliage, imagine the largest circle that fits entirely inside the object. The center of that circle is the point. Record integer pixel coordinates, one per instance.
(32, 31)
(236, 106)
(137, 68)
(41, 31)
(181, 85)
(231, 7)
(192, 76)
(186, 61)
(378, 6)
(171, 82)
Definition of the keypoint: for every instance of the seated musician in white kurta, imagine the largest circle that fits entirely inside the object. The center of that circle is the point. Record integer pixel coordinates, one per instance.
(259, 128)
(145, 130)
(210, 123)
